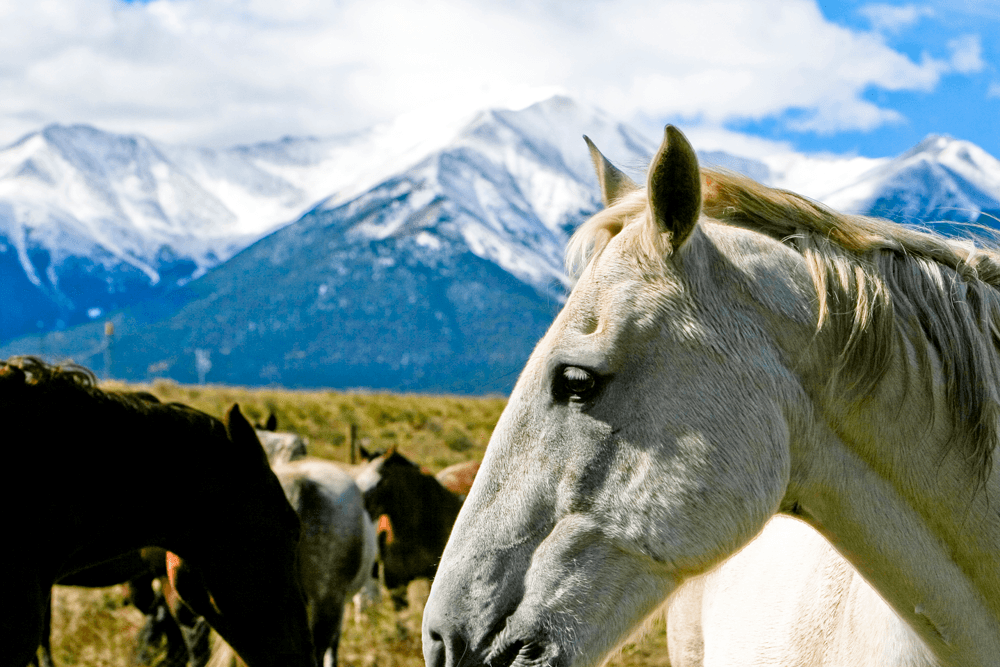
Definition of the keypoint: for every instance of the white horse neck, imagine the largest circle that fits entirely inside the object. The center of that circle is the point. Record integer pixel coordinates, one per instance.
(884, 478)
(788, 600)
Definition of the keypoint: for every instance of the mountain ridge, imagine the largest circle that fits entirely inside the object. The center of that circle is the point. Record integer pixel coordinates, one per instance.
(965, 178)
(439, 275)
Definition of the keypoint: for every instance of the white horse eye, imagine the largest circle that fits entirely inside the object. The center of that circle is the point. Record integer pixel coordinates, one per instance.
(577, 382)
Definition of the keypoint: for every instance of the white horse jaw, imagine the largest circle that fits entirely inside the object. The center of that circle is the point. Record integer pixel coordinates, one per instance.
(562, 601)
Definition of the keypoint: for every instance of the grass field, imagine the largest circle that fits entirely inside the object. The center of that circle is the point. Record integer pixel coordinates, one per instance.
(93, 627)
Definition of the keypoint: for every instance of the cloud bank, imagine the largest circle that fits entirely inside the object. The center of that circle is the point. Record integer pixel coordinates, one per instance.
(218, 72)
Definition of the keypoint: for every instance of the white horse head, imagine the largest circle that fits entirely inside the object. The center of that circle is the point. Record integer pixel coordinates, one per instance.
(730, 352)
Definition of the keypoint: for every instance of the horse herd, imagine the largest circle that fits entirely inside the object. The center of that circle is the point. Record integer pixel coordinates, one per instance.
(773, 421)
(320, 529)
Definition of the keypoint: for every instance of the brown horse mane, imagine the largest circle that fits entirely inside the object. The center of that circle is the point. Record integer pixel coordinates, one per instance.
(874, 278)
(34, 371)
(16, 373)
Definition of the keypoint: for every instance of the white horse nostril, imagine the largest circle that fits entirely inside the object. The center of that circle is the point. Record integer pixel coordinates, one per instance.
(435, 655)
(443, 648)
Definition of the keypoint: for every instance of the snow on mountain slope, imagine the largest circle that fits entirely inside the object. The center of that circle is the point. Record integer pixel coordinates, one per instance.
(412, 244)
(336, 169)
(816, 176)
(112, 201)
(941, 178)
(130, 195)
(517, 184)
(95, 220)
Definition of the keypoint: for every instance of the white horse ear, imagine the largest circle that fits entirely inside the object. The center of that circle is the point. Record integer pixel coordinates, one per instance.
(614, 183)
(674, 187)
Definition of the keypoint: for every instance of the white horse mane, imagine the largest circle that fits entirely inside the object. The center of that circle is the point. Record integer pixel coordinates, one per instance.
(875, 279)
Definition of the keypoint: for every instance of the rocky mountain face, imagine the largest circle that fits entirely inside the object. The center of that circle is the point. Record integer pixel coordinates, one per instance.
(427, 257)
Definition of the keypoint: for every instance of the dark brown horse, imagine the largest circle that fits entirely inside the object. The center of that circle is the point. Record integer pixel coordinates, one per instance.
(167, 618)
(137, 570)
(230, 519)
(421, 512)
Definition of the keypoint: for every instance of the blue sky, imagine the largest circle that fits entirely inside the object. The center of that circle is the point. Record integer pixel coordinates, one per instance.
(965, 104)
(753, 77)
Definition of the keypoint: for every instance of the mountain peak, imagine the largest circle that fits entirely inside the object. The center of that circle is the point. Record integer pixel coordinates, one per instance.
(934, 145)
(434, 259)
(941, 178)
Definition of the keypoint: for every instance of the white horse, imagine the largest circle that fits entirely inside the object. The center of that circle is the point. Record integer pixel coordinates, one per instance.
(337, 549)
(282, 446)
(730, 352)
(788, 598)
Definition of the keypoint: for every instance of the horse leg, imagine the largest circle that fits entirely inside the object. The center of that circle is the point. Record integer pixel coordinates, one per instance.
(370, 594)
(198, 635)
(685, 634)
(193, 628)
(160, 623)
(145, 641)
(21, 633)
(195, 632)
(46, 643)
(326, 629)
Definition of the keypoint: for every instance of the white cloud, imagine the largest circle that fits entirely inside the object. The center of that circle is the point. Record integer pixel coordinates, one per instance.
(994, 90)
(222, 71)
(894, 18)
(966, 54)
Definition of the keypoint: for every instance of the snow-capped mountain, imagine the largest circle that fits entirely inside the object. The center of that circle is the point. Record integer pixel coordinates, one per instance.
(940, 178)
(509, 188)
(442, 276)
(92, 221)
(425, 254)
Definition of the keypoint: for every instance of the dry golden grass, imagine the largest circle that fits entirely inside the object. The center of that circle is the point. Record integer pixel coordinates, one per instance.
(92, 627)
